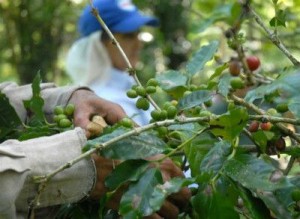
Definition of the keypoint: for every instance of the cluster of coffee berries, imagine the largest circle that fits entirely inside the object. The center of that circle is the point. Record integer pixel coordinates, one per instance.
(255, 125)
(275, 144)
(141, 92)
(168, 111)
(252, 62)
(235, 66)
(63, 115)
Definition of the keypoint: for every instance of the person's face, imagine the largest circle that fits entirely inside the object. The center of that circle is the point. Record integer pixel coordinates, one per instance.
(131, 46)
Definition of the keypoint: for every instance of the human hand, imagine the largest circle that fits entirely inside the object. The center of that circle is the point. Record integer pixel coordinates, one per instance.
(177, 201)
(88, 104)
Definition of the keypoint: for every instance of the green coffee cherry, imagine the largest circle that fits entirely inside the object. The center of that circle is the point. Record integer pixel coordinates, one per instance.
(142, 103)
(131, 93)
(141, 91)
(187, 93)
(237, 83)
(171, 112)
(204, 113)
(59, 117)
(163, 115)
(64, 123)
(69, 109)
(162, 131)
(155, 114)
(58, 110)
(150, 89)
(167, 105)
(126, 122)
(282, 107)
(152, 82)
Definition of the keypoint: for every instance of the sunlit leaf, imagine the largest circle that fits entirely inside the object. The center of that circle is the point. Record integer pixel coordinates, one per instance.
(194, 99)
(201, 57)
(230, 124)
(255, 173)
(129, 170)
(137, 197)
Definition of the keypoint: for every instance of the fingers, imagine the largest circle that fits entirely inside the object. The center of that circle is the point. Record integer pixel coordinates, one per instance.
(96, 126)
(168, 210)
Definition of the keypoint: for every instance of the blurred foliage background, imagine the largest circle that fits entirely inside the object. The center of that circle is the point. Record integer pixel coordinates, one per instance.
(35, 35)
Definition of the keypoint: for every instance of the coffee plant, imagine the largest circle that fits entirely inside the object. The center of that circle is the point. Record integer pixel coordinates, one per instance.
(237, 134)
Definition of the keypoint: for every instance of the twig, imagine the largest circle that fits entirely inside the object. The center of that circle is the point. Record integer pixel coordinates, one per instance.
(259, 111)
(273, 37)
(275, 119)
(130, 70)
(45, 178)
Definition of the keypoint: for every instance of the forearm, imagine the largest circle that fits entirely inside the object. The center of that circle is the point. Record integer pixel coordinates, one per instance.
(52, 95)
(20, 161)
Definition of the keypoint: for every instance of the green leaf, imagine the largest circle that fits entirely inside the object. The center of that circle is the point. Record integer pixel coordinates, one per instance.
(201, 57)
(279, 19)
(276, 203)
(137, 197)
(213, 204)
(197, 150)
(134, 147)
(194, 99)
(171, 79)
(129, 170)
(294, 106)
(36, 103)
(231, 124)
(9, 119)
(215, 158)
(254, 173)
(288, 82)
(224, 84)
(261, 138)
(257, 209)
(219, 70)
(161, 192)
(35, 132)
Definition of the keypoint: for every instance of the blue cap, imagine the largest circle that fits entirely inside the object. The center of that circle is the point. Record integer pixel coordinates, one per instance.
(120, 16)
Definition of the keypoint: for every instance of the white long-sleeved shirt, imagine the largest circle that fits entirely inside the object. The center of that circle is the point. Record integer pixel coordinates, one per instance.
(20, 161)
(115, 88)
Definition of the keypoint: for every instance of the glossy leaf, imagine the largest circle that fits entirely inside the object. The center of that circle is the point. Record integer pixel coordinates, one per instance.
(36, 103)
(288, 82)
(215, 158)
(194, 99)
(255, 173)
(171, 79)
(129, 170)
(213, 204)
(133, 147)
(230, 124)
(201, 57)
(137, 197)
(256, 208)
(9, 119)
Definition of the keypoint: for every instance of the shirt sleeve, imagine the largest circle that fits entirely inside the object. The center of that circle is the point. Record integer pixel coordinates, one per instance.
(21, 161)
(52, 95)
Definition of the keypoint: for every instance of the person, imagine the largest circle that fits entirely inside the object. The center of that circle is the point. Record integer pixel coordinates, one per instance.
(95, 62)
(20, 161)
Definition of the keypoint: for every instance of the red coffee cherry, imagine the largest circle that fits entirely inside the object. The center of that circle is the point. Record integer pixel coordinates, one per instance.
(253, 62)
(266, 126)
(253, 127)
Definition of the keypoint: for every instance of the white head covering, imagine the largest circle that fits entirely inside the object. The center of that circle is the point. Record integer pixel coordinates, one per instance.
(88, 60)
